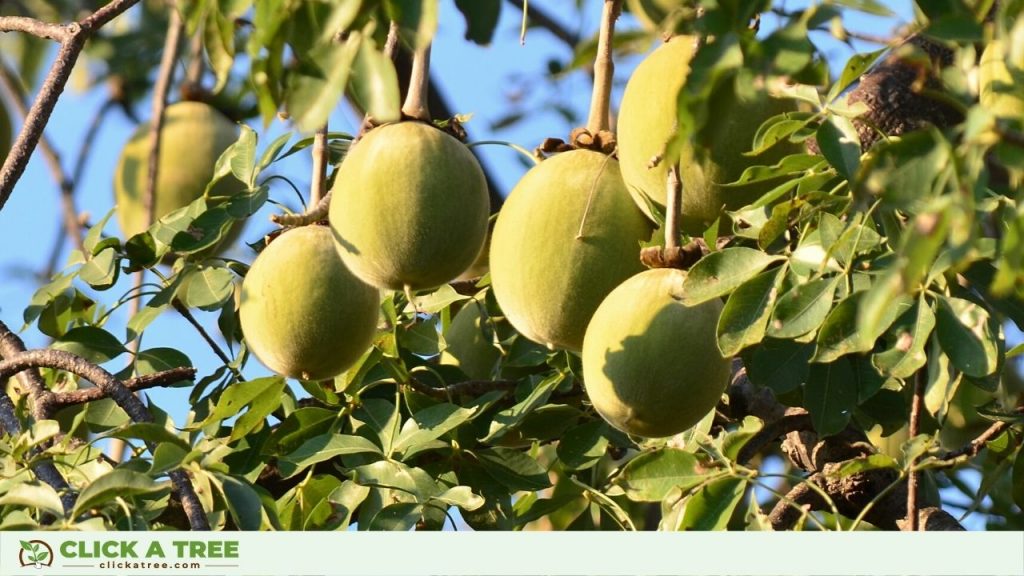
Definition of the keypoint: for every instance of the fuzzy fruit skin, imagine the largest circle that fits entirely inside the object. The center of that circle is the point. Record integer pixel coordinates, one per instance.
(647, 120)
(651, 365)
(409, 207)
(193, 136)
(303, 314)
(547, 277)
(997, 92)
(469, 344)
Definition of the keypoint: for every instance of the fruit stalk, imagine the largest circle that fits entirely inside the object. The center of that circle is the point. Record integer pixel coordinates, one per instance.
(321, 155)
(163, 83)
(674, 201)
(604, 68)
(415, 105)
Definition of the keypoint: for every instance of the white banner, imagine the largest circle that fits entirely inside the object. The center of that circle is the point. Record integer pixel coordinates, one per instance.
(509, 553)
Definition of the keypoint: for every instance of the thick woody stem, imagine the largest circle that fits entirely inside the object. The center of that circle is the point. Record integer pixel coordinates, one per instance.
(415, 105)
(72, 38)
(604, 69)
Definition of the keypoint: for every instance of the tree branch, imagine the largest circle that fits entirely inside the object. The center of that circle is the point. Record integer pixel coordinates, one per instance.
(72, 42)
(468, 387)
(15, 92)
(798, 502)
(159, 379)
(914, 429)
(44, 30)
(164, 77)
(114, 389)
(604, 70)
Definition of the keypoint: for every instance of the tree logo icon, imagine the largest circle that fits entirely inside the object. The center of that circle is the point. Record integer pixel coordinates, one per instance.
(35, 553)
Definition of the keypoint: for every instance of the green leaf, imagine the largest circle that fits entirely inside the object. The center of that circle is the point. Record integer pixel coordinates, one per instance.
(831, 395)
(149, 432)
(803, 308)
(101, 271)
(855, 67)
(840, 145)
(781, 365)
(382, 418)
(652, 475)
(300, 426)
(906, 356)
(840, 335)
(942, 384)
(583, 446)
(153, 360)
(36, 495)
(315, 89)
(243, 502)
(719, 273)
(167, 456)
(94, 241)
(430, 424)
(514, 469)
(417, 20)
(712, 506)
(396, 476)
(345, 499)
(864, 464)
(261, 407)
(324, 447)
(968, 335)
(509, 419)
(118, 483)
(436, 301)
(375, 83)
(219, 41)
(744, 318)
(461, 496)
(241, 394)
(94, 344)
(397, 517)
(481, 19)
(209, 288)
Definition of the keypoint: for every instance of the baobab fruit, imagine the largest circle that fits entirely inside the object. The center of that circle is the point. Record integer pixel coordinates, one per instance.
(409, 207)
(566, 236)
(651, 365)
(303, 314)
(192, 137)
(647, 120)
(470, 342)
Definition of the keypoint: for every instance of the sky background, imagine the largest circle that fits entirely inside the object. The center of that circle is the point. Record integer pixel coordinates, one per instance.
(483, 81)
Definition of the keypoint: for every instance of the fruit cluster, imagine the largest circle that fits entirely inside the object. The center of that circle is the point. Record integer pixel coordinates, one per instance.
(409, 211)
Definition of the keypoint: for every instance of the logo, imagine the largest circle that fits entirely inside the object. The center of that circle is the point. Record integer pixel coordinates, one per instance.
(35, 553)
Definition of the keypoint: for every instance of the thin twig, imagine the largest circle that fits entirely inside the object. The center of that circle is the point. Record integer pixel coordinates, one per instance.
(914, 428)
(159, 379)
(542, 19)
(72, 42)
(44, 30)
(604, 69)
(468, 387)
(16, 94)
(187, 315)
(164, 77)
(121, 395)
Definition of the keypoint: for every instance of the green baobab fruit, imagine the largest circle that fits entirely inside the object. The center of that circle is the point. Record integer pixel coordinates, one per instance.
(303, 314)
(651, 365)
(470, 343)
(647, 120)
(998, 92)
(410, 207)
(566, 236)
(193, 136)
